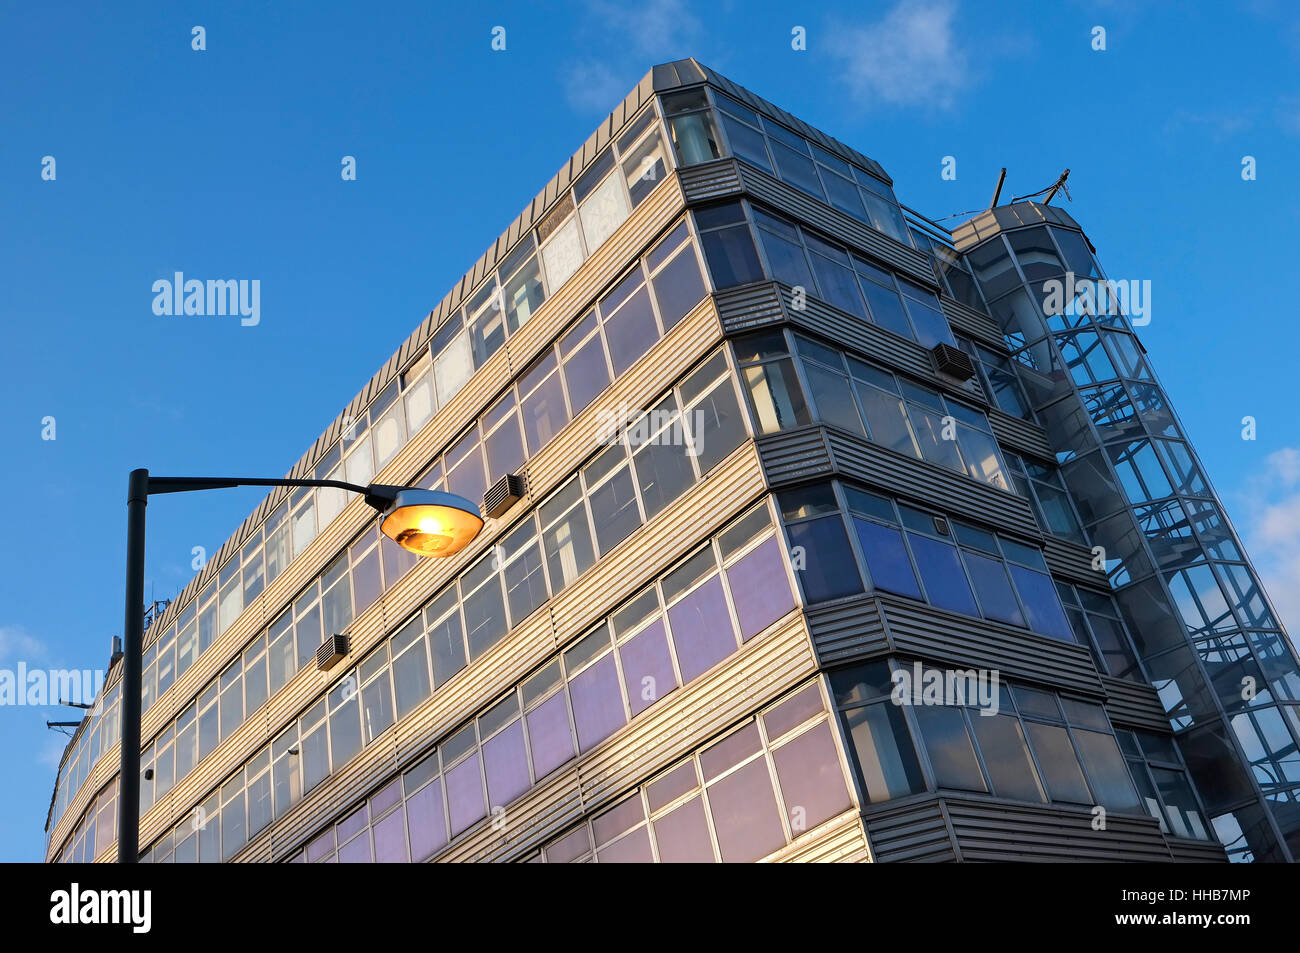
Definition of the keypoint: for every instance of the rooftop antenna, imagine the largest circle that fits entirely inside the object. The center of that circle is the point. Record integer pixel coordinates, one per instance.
(997, 192)
(1050, 190)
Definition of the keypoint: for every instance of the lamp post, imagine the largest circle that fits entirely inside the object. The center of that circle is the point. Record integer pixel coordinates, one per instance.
(425, 522)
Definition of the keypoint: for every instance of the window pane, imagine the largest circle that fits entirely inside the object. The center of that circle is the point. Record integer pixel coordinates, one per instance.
(561, 255)
(645, 167)
(1041, 603)
(760, 589)
(882, 749)
(1057, 761)
(465, 794)
(702, 629)
(543, 409)
(663, 470)
(523, 294)
(647, 667)
(603, 212)
(887, 560)
(506, 765)
(833, 398)
(682, 835)
(989, 576)
(567, 537)
(614, 510)
(786, 259)
(525, 581)
(887, 420)
(775, 396)
(941, 573)
(485, 615)
(1106, 770)
(948, 743)
(585, 374)
(929, 429)
(597, 703)
(679, 287)
(747, 144)
(812, 782)
(731, 256)
(549, 735)
(823, 559)
(345, 732)
(631, 331)
(1002, 743)
(427, 820)
(745, 815)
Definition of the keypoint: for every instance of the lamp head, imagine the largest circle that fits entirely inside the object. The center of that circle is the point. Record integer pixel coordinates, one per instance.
(431, 522)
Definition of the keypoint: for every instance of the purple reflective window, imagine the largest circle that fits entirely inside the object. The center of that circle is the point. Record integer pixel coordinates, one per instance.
(760, 589)
(647, 667)
(672, 785)
(745, 814)
(351, 825)
(632, 849)
(427, 819)
(549, 735)
(794, 711)
(465, 794)
(683, 835)
(356, 851)
(812, 783)
(597, 703)
(730, 751)
(390, 839)
(702, 629)
(385, 798)
(506, 764)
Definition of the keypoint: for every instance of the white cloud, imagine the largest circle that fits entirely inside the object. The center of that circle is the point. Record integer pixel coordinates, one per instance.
(908, 58)
(16, 644)
(1272, 534)
(629, 39)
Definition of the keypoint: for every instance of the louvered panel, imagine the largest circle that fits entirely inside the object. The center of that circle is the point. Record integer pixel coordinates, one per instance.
(709, 180)
(1072, 562)
(836, 224)
(915, 833)
(841, 840)
(921, 630)
(973, 324)
(727, 490)
(1196, 851)
(867, 338)
(994, 830)
(957, 494)
(749, 306)
(1020, 435)
(1134, 705)
(843, 630)
(794, 455)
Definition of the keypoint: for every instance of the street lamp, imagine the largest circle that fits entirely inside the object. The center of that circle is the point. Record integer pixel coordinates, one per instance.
(425, 522)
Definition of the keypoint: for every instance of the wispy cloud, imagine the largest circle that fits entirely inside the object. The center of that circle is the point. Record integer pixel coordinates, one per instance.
(910, 57)
(16, 644)
(626, 39)
(1272, 505)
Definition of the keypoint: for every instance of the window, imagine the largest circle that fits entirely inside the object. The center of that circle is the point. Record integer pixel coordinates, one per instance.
(728, 245)
(566, 535)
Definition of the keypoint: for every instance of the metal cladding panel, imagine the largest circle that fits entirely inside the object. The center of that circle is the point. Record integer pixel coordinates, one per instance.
(841, 840)
(996, 830)
(710, 180)
(758, 673)
(915, 832)
(975, 324)
(1134, 705)
(1196, 851)
(749, 306)
(1072, 562)
(921, 630)
(803, 453)
(844, 630)
(1020, 435)
(836, 224)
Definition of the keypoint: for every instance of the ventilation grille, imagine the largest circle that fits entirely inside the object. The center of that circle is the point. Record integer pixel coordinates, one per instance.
(504, 494)
(953, 362)
(331, 650)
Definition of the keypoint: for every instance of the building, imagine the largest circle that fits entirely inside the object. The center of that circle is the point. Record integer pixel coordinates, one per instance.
(787, 449)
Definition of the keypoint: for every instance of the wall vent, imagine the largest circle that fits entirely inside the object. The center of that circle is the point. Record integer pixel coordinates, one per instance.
(331, 650)
(504, 494)
(952, 361)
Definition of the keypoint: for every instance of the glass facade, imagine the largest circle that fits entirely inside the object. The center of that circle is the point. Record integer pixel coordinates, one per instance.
(717, 695)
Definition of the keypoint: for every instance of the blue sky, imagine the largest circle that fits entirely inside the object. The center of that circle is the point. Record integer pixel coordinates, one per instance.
(225, 163)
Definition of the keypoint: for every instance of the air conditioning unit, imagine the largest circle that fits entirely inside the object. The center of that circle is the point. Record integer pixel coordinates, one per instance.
(331, 650)
(952, 361)
(503, 494)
